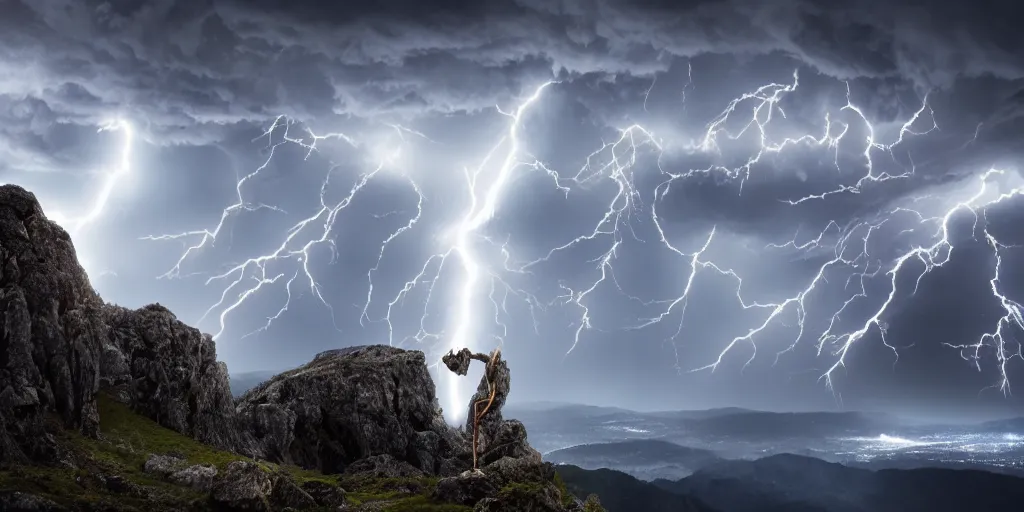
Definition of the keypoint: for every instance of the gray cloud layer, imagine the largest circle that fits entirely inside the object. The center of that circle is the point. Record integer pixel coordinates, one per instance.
(183, 63)
(199, 78)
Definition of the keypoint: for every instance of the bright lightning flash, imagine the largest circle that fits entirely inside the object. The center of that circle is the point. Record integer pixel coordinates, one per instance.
(75, 225)
(464, 240)
(111, 177)
(480, 211)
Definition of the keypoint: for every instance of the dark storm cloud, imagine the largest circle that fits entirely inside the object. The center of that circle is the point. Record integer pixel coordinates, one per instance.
(186, 71)
(190, 64)
(197, 77)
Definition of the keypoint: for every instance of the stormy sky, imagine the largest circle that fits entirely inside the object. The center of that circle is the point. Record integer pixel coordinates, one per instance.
(655, 204)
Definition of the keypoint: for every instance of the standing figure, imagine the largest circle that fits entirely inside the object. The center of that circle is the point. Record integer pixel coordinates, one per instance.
(484, 416)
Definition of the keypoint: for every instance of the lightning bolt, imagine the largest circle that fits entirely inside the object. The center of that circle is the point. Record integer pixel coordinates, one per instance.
(75, 224)
(849, 251)
(487, 266)
(246, 279)
(485, 186)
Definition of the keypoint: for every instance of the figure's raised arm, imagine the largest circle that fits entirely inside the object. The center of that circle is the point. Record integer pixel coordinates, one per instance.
(458, 362)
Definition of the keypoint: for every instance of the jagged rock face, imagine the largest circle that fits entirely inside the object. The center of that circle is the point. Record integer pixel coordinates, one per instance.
(50, 333)
(347, 405)
(508, 439)
(59, 342)
(169, 372)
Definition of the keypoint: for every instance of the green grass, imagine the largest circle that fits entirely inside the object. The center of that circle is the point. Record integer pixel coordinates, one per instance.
(126, 442)
(402, 494)
(421, 503)
(128, 439)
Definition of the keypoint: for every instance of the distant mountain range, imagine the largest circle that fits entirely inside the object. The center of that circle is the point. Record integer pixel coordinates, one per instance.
(622, 493)
(701, 414)
(802, 484)
(646, 459)
(1006, 425)
(735, 433)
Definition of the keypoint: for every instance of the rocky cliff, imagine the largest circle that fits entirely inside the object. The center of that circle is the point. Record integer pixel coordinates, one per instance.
(51, 334)
(102, 407)
(350, 404)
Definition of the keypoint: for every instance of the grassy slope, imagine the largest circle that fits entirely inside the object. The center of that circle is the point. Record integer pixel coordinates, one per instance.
(129, 438)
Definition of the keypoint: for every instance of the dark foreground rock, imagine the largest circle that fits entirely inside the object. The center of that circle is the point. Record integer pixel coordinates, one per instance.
(15, 501)
(245, 486)
(51, 332)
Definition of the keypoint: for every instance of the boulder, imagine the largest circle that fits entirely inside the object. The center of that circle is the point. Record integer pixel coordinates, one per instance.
(466, 489)
(347, 405)
(162, 465)
(243, 486)
(544, 498)
(509, 470)
(325, 495)
(286, 493)
(519, 484)
(198, 477)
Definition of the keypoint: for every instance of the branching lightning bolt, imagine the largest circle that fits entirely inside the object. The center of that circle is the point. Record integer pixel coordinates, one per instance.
(484, 196)
(486, 186)
(850, 250)
(254, 271)
(486, 262)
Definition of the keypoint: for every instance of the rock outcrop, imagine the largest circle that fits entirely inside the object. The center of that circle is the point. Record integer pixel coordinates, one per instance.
(351, 404)
(168, 371)
(51, 332)
(59, 342)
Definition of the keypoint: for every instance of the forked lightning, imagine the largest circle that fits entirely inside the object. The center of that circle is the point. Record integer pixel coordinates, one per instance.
(489, 272)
